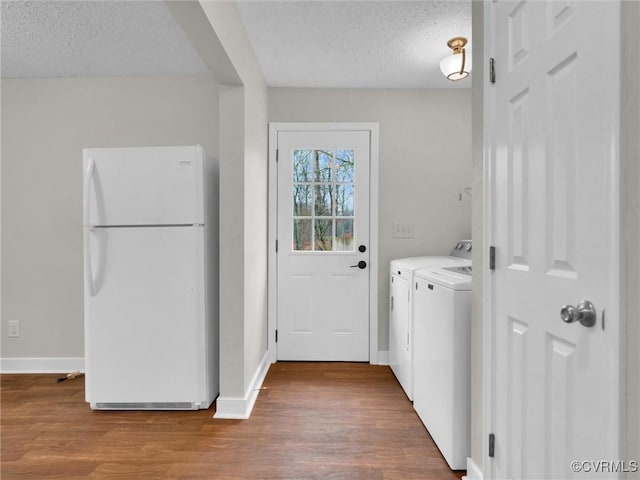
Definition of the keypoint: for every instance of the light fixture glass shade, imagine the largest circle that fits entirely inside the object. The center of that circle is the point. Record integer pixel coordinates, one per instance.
(452, 66)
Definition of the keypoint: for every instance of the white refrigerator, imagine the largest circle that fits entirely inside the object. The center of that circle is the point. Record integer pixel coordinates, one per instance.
(150, 278)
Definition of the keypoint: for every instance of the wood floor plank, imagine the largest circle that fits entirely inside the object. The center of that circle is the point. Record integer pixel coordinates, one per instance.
(321, 421)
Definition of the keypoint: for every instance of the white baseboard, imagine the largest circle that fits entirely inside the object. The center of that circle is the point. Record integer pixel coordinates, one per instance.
(41, 365)
(383, 357)
(241, 408)
(473, 471)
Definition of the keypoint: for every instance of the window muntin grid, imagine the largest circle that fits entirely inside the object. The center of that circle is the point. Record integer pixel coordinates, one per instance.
(323, 213)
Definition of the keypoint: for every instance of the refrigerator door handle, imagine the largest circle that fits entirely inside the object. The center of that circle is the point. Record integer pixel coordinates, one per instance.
(88, 182)
(88, 271)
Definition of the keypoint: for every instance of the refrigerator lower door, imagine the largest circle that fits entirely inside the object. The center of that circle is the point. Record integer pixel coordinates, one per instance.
(145, 322)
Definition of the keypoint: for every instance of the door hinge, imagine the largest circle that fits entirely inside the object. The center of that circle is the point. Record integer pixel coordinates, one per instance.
(416, 285)
(492, 70)
(276, 245)
(492, 257)
(492, 445)
(277, 154)
(276, 335)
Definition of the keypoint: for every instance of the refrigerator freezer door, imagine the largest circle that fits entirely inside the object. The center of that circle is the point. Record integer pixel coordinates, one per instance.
(143, 186)
(145, 325)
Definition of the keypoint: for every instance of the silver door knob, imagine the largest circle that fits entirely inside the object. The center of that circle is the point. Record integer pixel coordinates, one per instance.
(584, 313)
(568, 313)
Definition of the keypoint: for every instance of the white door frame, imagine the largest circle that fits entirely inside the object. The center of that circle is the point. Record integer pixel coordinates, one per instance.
(274, 128)
(488, 329)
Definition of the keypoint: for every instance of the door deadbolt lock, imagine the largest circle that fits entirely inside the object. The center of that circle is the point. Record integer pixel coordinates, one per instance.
(584, 313)
(361, 265)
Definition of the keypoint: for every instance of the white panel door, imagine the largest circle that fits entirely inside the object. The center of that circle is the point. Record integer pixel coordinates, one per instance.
(323, 224)
(554, 209)
(144, 186)
(144, 314)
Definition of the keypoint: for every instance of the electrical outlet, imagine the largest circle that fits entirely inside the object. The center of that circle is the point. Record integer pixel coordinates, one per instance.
(14, 328)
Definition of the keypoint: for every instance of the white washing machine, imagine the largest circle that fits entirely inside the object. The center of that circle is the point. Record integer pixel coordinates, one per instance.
(442, 320)
(400, 307)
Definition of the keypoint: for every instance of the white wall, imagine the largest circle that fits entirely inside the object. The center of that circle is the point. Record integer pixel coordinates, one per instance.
(243, 221)
(45, 125)
(425, 161)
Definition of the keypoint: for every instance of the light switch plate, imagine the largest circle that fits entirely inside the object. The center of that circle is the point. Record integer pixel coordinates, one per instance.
(14, 328)
(403, 230)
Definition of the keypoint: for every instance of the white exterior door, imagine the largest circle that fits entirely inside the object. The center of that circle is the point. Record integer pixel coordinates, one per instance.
(554, 221)
(323, 245)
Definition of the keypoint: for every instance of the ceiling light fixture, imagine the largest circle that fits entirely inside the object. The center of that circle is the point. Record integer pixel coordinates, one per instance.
(457, 65)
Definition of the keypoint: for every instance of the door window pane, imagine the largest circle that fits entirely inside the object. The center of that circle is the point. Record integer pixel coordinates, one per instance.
(301, 200)
(344, 166)
(322, 165)
(324, 235)
(323, 200)
(344, 200)
(344, 235)
(302, 237)
(302, 165)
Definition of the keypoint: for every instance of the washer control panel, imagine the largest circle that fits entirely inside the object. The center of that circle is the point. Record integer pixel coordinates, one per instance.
(462, 249)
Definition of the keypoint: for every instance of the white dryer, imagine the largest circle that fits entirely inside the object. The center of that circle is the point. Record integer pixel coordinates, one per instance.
(400, 307)
(442, 318)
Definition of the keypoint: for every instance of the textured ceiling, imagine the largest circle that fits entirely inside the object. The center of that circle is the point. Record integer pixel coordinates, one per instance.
(94, 38)
(386, 44)
(352, 44)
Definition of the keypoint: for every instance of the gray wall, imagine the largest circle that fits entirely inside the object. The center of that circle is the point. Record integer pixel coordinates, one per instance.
(425, 162)
(45, 125)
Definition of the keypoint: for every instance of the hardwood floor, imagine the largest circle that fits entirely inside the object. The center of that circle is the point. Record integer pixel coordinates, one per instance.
(320, 421)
